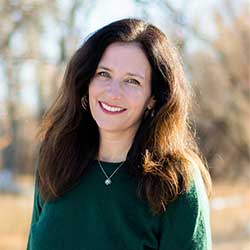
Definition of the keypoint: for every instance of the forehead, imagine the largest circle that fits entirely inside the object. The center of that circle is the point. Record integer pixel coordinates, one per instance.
(126, 56)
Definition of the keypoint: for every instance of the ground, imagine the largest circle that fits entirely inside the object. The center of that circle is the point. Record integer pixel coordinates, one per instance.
(230, 216)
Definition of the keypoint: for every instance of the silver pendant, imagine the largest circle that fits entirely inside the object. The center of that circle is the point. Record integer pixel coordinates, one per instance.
(108, 182)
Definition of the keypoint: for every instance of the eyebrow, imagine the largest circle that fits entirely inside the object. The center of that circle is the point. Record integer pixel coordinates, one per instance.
(129, 73)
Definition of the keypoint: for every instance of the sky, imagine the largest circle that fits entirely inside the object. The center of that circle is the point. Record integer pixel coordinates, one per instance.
(103, 13)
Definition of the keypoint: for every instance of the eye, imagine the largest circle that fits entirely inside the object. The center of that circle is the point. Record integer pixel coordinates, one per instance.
(103, 74)
(133, 81)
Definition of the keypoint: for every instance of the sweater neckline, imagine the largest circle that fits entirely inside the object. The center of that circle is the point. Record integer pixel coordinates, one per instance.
(109, 164)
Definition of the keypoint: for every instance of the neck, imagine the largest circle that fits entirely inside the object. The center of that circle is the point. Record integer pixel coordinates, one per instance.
(115, 146)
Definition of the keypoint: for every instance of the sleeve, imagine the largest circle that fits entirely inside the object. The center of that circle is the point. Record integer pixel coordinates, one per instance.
(37, 208)
(186, 223)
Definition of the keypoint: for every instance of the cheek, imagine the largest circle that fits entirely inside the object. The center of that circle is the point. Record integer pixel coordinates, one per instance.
(137, 98)
(94, 89)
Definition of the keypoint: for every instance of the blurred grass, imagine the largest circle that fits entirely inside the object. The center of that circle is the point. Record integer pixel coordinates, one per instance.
(15, 216)
(230, 226)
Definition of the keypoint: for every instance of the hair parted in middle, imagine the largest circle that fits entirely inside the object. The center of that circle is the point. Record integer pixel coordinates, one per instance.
(163, 151)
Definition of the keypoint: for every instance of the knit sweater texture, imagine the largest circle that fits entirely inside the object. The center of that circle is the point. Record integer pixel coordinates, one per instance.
(95, 216)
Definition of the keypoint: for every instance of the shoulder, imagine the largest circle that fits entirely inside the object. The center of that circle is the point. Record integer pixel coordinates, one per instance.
(195, 199)
(186, 221)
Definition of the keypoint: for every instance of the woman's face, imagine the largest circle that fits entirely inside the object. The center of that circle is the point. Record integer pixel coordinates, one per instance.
(120, 90)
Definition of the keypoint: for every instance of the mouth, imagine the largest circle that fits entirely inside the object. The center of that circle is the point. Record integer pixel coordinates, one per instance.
(111, 109)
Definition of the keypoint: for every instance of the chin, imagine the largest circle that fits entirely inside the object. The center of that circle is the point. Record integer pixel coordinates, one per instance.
(108, 126)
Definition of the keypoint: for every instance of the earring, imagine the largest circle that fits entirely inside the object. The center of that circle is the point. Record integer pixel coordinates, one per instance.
(84, 102)
(152, 113)
(149, 111)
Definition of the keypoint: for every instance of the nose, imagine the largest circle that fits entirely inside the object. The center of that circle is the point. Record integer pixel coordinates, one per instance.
(114, 90)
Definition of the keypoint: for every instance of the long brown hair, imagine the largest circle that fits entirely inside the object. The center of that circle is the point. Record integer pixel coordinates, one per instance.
(163, 152)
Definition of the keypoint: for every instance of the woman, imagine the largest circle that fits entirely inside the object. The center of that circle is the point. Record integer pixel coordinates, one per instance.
(118, 166)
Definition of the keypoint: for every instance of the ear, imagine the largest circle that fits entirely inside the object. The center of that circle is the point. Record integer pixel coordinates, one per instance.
(151, 103)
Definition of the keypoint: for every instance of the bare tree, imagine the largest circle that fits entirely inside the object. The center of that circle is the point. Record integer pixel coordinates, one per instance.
(223, 115)
(219, 74)
(24, 26)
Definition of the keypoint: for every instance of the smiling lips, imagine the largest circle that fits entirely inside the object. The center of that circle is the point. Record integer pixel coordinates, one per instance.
(110, 109)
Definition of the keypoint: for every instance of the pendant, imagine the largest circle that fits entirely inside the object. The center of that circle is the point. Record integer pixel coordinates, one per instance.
(108, 182)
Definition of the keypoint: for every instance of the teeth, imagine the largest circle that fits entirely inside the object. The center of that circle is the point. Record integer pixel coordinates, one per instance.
(111, 109)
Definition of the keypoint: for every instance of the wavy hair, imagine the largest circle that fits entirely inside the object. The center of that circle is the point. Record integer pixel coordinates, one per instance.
(163, 152)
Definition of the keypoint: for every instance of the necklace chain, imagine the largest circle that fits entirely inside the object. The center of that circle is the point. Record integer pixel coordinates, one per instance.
(108, 178)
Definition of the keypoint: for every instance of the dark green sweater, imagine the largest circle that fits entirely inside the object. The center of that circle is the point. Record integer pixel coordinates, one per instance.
(93, 216)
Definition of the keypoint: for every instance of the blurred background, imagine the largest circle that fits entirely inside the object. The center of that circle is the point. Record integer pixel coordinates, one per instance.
(37, 39)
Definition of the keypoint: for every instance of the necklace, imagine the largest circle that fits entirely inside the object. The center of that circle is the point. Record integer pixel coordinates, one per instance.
(108, 178)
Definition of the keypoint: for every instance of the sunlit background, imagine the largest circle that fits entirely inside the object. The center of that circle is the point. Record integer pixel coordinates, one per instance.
(38, 37)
